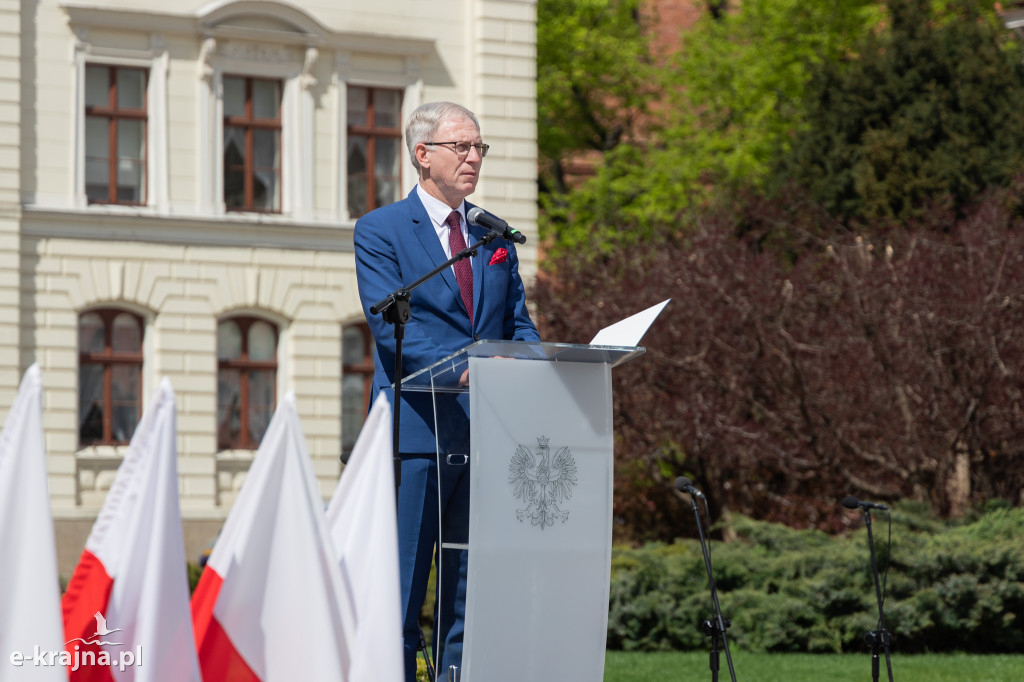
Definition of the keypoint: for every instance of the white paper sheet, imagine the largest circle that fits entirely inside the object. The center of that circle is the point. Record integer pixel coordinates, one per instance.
(630, 331)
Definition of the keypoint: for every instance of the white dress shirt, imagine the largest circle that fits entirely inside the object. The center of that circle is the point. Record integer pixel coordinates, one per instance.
(439, 212)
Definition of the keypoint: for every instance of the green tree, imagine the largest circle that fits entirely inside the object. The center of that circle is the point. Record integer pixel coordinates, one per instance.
(726, 104)
(593, 79)
(742, 77)
(933, 107)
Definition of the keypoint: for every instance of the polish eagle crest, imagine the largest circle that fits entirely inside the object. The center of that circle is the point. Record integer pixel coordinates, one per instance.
(543, 481)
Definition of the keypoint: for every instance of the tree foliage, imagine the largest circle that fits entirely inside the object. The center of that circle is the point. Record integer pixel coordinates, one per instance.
(719, 112)
(887, 369)
(596, 81)
(932, 106)
(741, 79)
(593, 79)
(865, 358)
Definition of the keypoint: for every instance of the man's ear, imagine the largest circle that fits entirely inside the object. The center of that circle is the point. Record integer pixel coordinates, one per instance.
(421, 155)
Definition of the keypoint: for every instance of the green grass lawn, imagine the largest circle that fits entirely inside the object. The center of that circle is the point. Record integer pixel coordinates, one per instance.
(693, 666)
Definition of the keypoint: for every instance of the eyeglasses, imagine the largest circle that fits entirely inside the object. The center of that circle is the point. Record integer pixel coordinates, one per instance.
(462, 148)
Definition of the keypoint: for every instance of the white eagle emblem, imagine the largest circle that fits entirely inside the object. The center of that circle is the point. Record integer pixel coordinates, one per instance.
(543, 482)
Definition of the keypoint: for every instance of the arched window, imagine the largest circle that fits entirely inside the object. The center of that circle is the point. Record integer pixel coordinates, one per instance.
(246, 381)
(109, 376)
(356, 380)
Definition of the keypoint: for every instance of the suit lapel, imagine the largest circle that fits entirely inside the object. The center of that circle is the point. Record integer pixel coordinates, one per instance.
(476, 233)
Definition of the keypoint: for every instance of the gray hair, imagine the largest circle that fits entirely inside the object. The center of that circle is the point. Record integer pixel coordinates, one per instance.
(424, 121)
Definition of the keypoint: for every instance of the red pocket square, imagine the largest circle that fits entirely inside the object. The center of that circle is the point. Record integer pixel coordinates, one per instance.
(500, 256)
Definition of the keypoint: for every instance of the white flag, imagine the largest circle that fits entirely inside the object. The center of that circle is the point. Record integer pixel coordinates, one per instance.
(270, 604)
(363, 524)
(29, 587)
(128, 597)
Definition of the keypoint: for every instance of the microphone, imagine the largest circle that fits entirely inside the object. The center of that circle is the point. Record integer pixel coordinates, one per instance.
(478, 216)
(851, 502)
(685, 485)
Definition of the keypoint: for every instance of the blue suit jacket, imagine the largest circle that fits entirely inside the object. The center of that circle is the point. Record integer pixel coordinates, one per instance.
(395, 245)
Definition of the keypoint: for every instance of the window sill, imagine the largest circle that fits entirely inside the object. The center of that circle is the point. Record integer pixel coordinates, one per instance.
(235, 456)
(102, 454)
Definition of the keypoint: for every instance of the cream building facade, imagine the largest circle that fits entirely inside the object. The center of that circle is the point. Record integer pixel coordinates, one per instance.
(178, 189)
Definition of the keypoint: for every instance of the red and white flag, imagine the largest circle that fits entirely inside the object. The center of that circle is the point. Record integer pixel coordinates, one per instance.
(128, 597)
(29, 587)
(270, 604)
(363, 524)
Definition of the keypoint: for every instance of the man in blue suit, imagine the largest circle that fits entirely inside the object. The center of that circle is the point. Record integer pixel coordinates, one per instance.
(479, 298)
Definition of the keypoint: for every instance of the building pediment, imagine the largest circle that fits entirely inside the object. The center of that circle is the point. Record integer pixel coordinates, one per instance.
(260, 19)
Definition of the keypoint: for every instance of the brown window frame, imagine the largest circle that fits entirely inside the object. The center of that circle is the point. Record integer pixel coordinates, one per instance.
(372, 133)
(108, 358)
(114, 114)
(365, 368)
(249, 123)
(244, 365)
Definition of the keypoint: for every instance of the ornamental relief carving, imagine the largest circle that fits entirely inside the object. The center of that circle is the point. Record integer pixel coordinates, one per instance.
(256, 52)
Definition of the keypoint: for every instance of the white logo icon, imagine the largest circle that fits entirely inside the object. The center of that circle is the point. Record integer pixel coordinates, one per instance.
(101, 631)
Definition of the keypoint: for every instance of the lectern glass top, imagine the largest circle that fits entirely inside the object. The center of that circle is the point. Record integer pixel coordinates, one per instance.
(444, 375)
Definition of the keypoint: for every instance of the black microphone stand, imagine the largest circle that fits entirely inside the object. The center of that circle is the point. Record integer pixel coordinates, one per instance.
(878, 639)
(713, 628)
(395, 309)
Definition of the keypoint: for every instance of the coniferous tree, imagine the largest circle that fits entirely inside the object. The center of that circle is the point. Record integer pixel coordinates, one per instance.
(930, 109)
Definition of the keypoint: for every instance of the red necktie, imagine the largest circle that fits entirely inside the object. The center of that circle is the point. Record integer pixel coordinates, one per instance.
(463, 271)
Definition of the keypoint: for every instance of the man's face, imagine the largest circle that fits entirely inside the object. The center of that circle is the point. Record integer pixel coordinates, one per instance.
(454, 177)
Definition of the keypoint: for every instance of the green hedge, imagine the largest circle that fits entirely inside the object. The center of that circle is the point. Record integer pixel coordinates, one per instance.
(951, 587)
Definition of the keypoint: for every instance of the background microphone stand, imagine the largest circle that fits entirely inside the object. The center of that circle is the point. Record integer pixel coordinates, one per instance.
(878, 639)
(713, 628)
(395, 309)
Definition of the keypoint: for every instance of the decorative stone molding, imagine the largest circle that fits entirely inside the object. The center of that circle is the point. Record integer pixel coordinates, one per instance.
(206, 50)
(307, 79)
(257, 52)
(82, 40)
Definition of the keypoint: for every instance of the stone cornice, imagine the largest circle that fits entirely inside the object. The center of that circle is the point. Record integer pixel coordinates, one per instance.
(250, 230)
